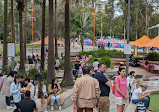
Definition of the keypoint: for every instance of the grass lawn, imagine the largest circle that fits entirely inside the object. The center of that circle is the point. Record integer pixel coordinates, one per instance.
(154, 103)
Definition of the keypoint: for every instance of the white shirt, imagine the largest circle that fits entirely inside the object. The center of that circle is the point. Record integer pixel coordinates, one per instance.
(16, 68)
(135, 94)
(131, 85)
(95, 65)
(57, 63)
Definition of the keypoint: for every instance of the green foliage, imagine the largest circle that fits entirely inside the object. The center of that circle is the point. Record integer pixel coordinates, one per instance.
(107, 61)
(63, 83)
(32, 72)
(22, 73)
(61, 64)
(154, 56)
(7, 69)
(44, 73)
(102, 52)
(91, 60)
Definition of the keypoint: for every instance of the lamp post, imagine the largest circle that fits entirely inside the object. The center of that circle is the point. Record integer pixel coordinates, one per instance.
(12, 32)
(128, 31)
(94, 22)
(32, 19)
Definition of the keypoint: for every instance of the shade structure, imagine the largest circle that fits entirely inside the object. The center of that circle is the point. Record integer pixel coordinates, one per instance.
(46, 42)
(141, 41)
(153, 43)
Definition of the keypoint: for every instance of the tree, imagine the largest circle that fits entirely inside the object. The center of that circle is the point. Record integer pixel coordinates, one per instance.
(20, 7)
(25, 29)
(5, 40)
(56, 48)
(83, 26)
(51, 57)
(67, 65)
(43, 35)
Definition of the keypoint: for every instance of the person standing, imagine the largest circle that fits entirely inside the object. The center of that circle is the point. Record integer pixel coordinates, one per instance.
(86, 92)
(57, 64)
(95, 65)
(27, 105)
(30, 87)
(121, 91)
(7, 81)
(105, 85)
(15, 91)
(16, 69)
(30, 60)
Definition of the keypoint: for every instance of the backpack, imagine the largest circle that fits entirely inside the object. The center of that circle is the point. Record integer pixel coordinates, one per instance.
(114, 86)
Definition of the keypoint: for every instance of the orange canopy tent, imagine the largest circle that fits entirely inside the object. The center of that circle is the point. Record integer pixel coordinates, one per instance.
(46, 42)
(143, 40)
(153, 43)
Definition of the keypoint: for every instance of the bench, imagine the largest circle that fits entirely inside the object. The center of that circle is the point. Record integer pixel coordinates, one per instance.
(68, 100)
(131, 108)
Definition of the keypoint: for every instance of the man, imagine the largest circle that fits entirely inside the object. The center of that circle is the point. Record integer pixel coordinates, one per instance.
(30, 60)
(105, 85)
(27, 105)
(95, 65)
(86, 92)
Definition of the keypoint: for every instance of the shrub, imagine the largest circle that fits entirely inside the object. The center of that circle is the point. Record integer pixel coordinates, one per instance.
(44, 73)
(23, 73)
(91, 60)
(32, 72)
(102, 52)
(61, 63)
(154, 56)
(107, 61)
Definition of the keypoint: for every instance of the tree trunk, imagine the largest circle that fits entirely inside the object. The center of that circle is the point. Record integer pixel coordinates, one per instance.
(43, 35)
(147, 20)
(67, 66)
(51, 57)
(22, 57)
(136, 24)
(25, 31)
(56, 37)
(5, 37)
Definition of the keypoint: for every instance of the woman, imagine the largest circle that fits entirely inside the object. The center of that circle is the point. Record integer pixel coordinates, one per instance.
(41, 102)
(30, 87)
(15, 91)
(121, 92)
(42, 87)
(131, 83)
(140, 96)
(54, 91)
(6, 88)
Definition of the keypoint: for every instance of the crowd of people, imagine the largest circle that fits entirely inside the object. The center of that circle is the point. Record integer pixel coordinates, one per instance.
(93, 91)
(24, 96)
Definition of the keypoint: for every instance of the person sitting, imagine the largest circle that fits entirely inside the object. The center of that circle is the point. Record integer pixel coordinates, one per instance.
(140, 96)
(27, 105)
(41, 102)
(54, 91)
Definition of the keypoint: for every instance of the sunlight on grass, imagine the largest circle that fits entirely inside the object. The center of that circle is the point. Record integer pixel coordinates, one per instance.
(154, 103)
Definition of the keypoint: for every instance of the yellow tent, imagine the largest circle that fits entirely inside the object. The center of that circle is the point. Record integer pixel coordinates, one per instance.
(153, 43)
(143, 40)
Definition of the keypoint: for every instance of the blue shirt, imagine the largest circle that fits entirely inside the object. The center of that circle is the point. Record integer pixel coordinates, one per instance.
(105, 90)
(15, 93)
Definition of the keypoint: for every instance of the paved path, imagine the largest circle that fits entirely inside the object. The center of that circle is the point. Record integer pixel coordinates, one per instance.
(68, 109)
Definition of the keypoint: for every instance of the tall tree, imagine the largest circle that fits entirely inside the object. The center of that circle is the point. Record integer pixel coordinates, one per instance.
(51, 57)
(5, 37)
(25, 29)
(56, 37)
(67, 66)
(20, 7)
(43, 35)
